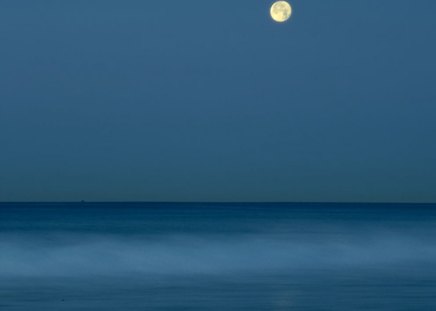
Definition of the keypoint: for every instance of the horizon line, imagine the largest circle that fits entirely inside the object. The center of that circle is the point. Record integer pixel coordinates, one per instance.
(213, 202)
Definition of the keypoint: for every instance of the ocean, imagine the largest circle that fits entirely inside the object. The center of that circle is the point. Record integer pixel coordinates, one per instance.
(168, 256)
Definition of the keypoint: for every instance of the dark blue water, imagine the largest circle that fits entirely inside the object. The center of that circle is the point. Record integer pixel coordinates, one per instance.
(217, 257)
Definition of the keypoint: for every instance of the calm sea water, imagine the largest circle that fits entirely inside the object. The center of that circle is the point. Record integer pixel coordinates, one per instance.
(217, 257)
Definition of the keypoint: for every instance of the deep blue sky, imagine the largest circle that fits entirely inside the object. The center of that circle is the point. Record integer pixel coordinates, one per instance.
(212, 101)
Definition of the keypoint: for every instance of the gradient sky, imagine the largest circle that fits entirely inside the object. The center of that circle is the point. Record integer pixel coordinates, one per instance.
(212, 101)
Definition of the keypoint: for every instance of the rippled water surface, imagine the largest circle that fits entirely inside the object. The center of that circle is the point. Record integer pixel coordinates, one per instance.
(217, 257)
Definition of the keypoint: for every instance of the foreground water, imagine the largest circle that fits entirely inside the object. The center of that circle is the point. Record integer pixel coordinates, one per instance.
(217, 257)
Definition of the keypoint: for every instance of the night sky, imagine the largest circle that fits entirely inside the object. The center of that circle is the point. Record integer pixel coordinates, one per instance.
(213, 101)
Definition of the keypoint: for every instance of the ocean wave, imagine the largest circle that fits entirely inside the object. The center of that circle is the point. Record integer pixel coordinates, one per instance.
(85, 255)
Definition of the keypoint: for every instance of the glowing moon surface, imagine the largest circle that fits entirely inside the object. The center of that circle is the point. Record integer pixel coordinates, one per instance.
(281, 11)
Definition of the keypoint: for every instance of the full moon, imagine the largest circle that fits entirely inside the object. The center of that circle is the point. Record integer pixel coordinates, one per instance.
(281, 11)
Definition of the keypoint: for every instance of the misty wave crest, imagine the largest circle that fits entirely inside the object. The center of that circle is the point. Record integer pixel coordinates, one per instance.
(182, 255)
